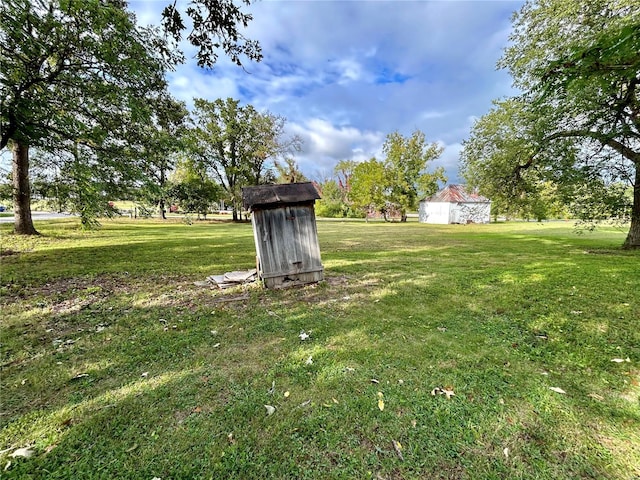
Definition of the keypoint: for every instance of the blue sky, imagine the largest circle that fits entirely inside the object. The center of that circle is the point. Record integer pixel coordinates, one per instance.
(347, 73)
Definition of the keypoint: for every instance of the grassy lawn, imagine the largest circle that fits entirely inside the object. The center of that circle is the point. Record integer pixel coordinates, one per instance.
(115, 365)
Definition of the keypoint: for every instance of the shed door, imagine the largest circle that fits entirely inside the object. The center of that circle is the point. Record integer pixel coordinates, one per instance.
(288, 242)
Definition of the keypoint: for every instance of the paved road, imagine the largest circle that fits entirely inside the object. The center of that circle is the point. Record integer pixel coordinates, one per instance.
(39, 216)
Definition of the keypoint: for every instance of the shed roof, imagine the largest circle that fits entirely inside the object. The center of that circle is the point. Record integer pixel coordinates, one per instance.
(456, 193)
(279, 194)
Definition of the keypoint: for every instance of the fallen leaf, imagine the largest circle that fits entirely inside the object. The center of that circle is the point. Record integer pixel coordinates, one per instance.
(374, 380)
(305, 403)
(557, 390)
(286, 394)
(129, 450)
(216, 345)
(231, 439)
(448, 392)
(380, 401)
(309, 360)
(197, 410)
(506, 452)
(335, 401)
(50, 448)
(145, 374)
(621, 360)
(7, 466)
(22, 452)
(273, 388)
(397, 446)
(303, 335)
(595, 396)
(414, 423)
(80, 375)
(270, 409)
(442, 329)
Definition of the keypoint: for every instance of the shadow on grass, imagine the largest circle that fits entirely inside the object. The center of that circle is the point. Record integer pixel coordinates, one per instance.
(489, 318)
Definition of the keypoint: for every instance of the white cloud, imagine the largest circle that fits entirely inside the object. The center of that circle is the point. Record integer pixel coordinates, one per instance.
(325, 144)
(345, 74)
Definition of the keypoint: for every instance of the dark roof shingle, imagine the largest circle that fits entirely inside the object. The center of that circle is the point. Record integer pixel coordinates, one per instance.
(279, 194)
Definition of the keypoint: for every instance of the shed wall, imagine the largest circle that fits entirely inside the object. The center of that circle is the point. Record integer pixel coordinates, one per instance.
(454, 212)
(434, 212)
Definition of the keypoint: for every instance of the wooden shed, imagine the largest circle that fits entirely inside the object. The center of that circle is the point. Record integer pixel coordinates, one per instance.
(285, 233)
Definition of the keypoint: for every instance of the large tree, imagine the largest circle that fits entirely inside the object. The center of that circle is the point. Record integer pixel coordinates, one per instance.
(406, 164)
(79, 72)
(577, 121)
(161, 141)
(73, 73)
(234, 142)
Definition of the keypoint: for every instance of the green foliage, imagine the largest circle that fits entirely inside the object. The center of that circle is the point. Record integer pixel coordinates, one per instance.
(397, 183)
(162, 140)
(405, 165)
(105, 332)
(369, 186)
(215, 25)
(75, 70)
(334, 203)
(234, 142)
(75, 73)
(192, 190)
(575, 123)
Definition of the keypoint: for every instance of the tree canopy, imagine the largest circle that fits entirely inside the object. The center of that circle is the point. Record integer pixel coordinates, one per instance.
(82, 76)
(396, 183)
(577, 121)
(234, 142)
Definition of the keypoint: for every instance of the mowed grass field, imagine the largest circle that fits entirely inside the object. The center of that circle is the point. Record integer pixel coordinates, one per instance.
(434, 352)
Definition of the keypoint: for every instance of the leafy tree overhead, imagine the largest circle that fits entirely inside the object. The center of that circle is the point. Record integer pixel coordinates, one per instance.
(577, 122)
(80, 72)
(71, 71)
(215, 26)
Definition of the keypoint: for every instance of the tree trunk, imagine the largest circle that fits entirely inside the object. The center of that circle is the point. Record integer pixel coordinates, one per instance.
(162, 212)
(633, 237)
(22, 190)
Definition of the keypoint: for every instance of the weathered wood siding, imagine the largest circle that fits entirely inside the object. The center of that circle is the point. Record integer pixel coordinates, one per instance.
(287, 245)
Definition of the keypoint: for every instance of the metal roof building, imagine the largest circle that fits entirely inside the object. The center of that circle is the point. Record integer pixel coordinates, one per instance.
(454, 204)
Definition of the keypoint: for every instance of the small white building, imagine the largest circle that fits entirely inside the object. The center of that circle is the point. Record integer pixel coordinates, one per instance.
(453, 204)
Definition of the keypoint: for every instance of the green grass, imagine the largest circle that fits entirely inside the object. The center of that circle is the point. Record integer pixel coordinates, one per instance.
(111, 366)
